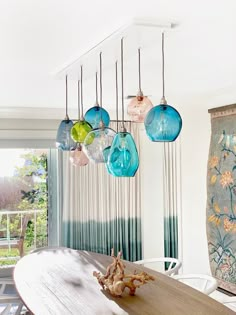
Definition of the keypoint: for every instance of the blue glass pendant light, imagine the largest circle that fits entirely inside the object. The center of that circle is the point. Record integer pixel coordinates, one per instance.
(99, 139)
(63, 140)
(163, 122)
(95, 114)
(123, 160)
(81, 128)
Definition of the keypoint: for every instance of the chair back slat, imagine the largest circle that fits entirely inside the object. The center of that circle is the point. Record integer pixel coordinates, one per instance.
(172, 263)
(204, 283)
(24, 226)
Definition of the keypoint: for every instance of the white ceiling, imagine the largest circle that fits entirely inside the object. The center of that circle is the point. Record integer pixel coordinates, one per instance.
(37, 37)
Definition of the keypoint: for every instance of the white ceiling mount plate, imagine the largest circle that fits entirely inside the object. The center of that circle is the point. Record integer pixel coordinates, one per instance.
(139, 33)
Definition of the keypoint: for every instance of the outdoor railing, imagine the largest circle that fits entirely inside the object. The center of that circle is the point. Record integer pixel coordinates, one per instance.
(5, 225)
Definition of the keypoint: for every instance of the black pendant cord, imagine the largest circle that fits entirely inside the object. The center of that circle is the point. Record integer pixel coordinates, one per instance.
(163, 68)
(67, 117)
(100, 66)
(78, 100)
(122, 82)
(139, 70)
(96, 79)
(117, 124)
(81, 91)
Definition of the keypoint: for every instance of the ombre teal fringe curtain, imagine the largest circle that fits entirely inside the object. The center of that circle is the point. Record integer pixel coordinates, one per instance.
(98, 211)
(172, 196)
(171, 236)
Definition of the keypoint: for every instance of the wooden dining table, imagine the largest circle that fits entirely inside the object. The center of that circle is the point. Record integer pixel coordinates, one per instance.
(60, 281)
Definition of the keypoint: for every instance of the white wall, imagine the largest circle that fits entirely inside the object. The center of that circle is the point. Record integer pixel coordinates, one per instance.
(194, 149)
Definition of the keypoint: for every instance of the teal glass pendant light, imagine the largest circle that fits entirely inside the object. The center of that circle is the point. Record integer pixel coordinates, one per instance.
(63, 139)
(96, 114)
(123, 160)
(77, 156)
(81, 128)
(106, 152)
(163, 122)
(99, 139)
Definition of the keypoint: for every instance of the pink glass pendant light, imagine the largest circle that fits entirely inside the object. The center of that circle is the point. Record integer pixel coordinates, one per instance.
(77, 156)
(140, 104)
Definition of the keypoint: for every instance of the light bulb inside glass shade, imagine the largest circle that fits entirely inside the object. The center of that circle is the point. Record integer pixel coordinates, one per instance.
(78, 157)
(64, 141)
(97, 143)
(123, 160)
(163, 123)
(80, 130)
(138, 108)
(95, 115)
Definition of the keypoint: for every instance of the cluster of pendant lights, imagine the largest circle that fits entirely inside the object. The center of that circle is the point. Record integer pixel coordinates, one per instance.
(90, 138)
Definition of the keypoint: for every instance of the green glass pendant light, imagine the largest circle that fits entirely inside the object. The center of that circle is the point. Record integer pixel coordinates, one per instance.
(77, 156)
(81, 128)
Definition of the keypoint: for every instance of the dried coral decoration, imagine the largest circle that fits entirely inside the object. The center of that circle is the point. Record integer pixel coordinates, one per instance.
(115, 280)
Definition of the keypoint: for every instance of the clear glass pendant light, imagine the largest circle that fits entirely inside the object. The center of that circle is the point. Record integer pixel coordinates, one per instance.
(63, 140)
(81, 128)
(163, 122)
(96, 114)
(99, 139)
(140, 104)
(77, 156)
(123, 160)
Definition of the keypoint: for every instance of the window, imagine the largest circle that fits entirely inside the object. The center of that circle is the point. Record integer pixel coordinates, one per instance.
(21, 131)
(23, 201)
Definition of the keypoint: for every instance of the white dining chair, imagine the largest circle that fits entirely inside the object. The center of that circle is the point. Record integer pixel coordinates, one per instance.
(159, 264)
(204, 283)
(229, 301)
(10, 305)
(10, 302)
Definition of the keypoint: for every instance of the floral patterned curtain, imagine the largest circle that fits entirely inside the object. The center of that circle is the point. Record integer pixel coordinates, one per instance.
(221, 197)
